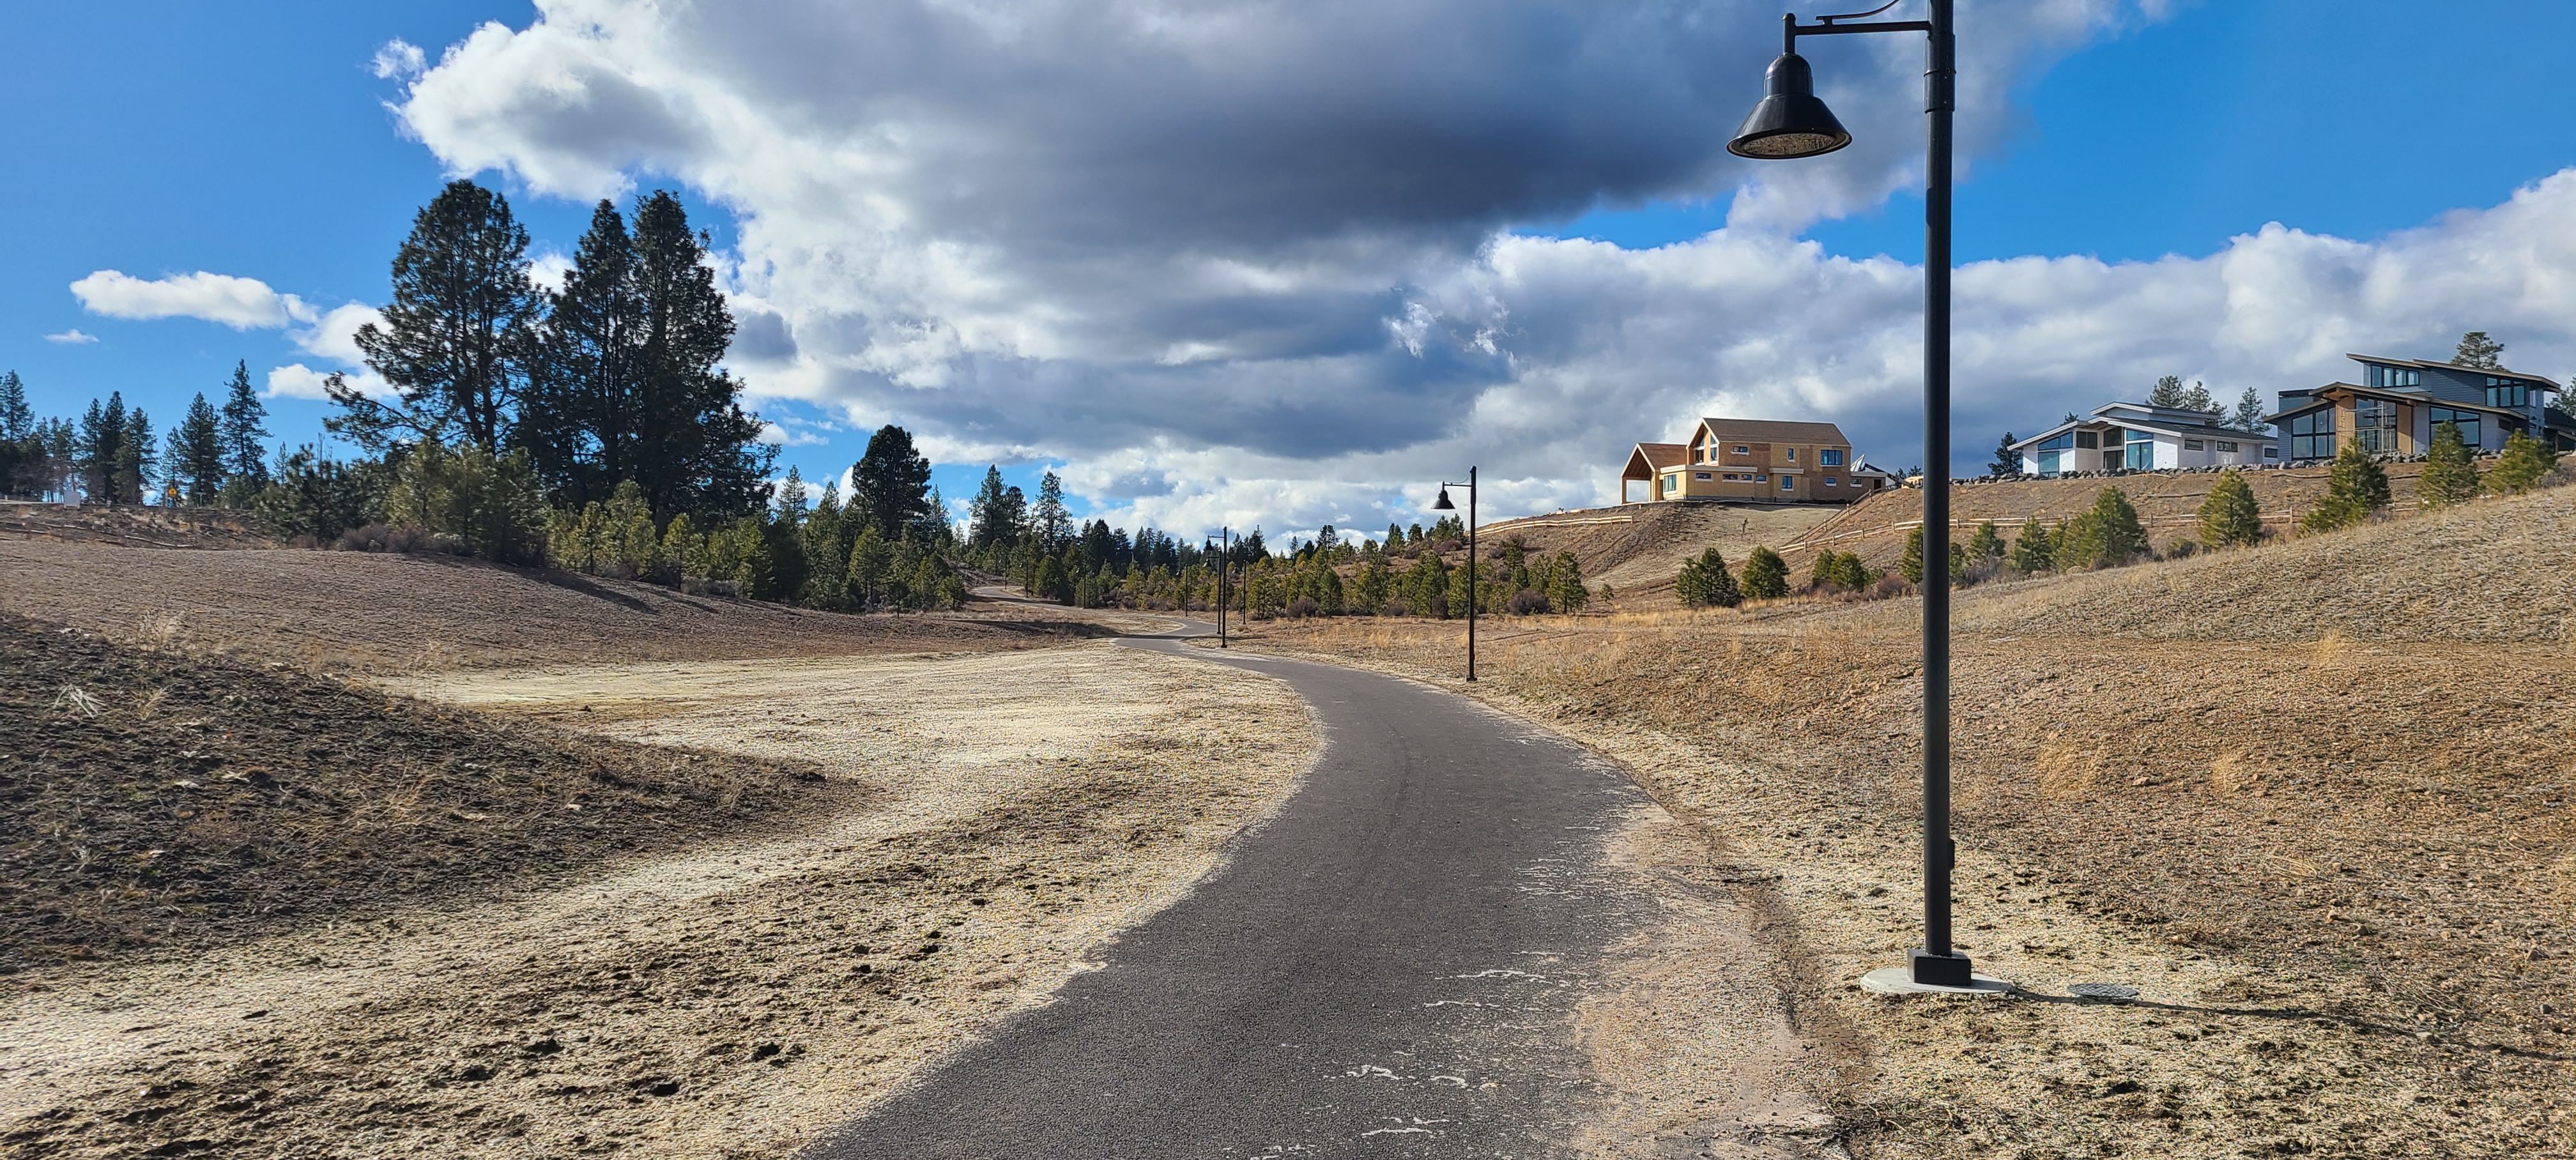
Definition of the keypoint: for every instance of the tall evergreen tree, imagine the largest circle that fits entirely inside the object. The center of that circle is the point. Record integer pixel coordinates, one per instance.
(1704, 582)
(1054, 522)
(890, 484)
(697, 449)
(2477, 350)
(2450, 473)
(242, 431)
(2249, 413)
(102, 443)
(2007, 461)
(458, 333)
(2229, 517)
(137, 459)
(21, 449)
(17, 419)
(2167, 393)
(195, 457)
(2197, 399)
(580, 419)
(992, 517)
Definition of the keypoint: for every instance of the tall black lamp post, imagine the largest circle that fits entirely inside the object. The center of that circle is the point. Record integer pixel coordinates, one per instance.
(1443, 505)
(1791, 122)
(1224, 569)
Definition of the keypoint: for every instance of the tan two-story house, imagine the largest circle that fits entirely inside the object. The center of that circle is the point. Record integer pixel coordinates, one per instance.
(1764, 460)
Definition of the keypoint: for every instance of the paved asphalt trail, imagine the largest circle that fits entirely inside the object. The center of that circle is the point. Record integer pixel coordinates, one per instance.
(1386, 968)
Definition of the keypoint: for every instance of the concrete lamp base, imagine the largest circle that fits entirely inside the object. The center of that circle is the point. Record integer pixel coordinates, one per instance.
(1900, 981)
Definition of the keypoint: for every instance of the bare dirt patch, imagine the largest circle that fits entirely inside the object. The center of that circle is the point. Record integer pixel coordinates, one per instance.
(2342, 872)
(365, 612)
(733, 999)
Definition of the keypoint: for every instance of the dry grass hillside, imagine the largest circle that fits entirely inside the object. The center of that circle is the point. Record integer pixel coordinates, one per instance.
(2167, 504)
(2317, 801)
(1637, 549)
(370, 612)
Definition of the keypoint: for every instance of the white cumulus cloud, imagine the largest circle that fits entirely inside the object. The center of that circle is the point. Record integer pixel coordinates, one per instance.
(240, 303)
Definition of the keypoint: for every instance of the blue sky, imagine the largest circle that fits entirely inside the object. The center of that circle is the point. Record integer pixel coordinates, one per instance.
(256, 141)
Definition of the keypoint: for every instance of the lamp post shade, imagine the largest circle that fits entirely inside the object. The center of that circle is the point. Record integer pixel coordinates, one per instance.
(1790, 121)
(1442, 504)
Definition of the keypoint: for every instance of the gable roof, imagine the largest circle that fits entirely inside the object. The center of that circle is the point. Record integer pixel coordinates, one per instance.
(2421, 365)
(1775, 431)
(1650, 458)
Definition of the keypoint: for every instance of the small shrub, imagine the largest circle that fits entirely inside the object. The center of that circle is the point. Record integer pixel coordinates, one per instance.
(2450, 472)
(2034, 550)
(1705, 583)
(1303, 608)
(1766, 575)
(2356, 488)
(1526, 602)
(2229, 517)
(2525, 463)
(1395, 606)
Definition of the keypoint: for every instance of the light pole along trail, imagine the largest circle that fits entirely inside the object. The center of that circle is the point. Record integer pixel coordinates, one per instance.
(1791, 123)
(1443, 505)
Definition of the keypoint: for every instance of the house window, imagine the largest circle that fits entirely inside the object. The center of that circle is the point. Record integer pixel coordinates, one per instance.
(2374, 425)
(2193, 445)
(2140, 453)
(2469, 422)
(2510, 393)
(2312, 435)
(1761, 479)
(1829, 457)
(2088, 440)
(1741, 449)
(1788, 483)
(2048, 462)
(1701, 474)
(2226, 448)
(1830, 481)
(1793, 455)
(2382, 376)
(2271, 453)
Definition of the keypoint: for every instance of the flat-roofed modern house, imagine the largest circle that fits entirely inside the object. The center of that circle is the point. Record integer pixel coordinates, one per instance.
(2398, 402)
(1767, 460)
(2143, 437)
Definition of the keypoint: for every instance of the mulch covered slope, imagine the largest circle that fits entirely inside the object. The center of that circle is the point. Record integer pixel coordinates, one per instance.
(150, 799)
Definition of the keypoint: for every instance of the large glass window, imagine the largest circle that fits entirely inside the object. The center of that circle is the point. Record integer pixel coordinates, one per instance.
(2312, 435)
(2141, 452)
(2375, 375)
(2512, 393)
(2059, 442)
(2374, 425)
(2048, 463)
(2087, 439)
(1829, 457)
(2469, 421)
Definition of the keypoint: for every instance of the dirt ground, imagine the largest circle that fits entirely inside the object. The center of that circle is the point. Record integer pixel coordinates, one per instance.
(989, 817)
(342, 612)
(2341, 870)
(1637, 549)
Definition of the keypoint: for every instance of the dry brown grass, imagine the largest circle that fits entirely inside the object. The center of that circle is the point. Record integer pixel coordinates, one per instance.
(2336, 845)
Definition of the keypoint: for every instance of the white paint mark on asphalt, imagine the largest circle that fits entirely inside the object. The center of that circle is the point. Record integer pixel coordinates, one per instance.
(1456, 1081)
(1502, 973)
(1373, 1071)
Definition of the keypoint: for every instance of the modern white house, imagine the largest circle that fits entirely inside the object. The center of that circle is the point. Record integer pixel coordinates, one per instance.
(2143, 437)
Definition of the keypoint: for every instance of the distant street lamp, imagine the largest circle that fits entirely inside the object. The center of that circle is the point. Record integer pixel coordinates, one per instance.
(1789, 123)
(1442, 504)
(1224, 565)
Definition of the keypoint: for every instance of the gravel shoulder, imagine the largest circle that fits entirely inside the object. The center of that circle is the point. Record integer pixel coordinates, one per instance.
(1004, 812)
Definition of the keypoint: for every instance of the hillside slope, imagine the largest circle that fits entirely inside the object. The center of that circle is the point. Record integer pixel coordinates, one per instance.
(1638, 549)
(2168, 505)
(382, 612)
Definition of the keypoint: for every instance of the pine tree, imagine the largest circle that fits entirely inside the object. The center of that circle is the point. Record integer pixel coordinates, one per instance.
(2197, 399)
(137, 459)
(1705, 583)
(1985, 544)
(2450, 472)
(581, 415)
(2007, 461)
(1565, 590)
(195, 456)
(2034, 550)
(2479, 351)
(21, 449)
(2167, 393)
(243, 434)
(1851, 573)
(2229, 517)
(1822, 576)
(1910, 565)
(697, 450)
(457, 334)
(2249, 413)
(1054, 522)
(1766, 575)
(2107, 535)
(2525, 463)
(891, 485)
(2356, 486)
(102, 441)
